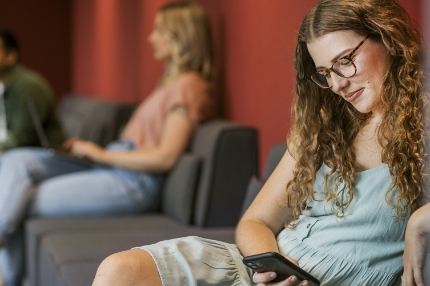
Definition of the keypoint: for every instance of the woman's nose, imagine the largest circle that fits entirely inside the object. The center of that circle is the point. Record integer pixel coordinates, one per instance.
(338, 83)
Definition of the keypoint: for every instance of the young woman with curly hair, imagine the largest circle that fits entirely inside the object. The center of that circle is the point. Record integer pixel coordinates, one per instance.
(339, 201)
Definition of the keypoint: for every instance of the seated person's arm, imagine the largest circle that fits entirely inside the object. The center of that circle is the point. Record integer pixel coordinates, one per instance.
(21, 131)
(417, 242)
(176, 135)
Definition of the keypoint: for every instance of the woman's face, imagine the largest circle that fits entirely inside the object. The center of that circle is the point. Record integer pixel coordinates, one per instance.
(363, 90)
(160, 40)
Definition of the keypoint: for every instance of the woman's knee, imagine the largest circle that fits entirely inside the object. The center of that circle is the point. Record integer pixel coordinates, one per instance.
(131, 267)
(21, 160)
(17, 155)
(22, 153)
(113, 268)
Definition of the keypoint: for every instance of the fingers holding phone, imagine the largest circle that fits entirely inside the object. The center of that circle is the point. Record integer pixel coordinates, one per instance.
(272, 268)
(266, 278)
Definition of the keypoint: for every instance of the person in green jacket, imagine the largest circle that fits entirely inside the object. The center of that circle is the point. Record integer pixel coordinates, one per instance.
(18, 86)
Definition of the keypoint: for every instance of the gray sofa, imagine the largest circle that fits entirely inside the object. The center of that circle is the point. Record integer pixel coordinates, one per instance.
(93, 119)
(203, 196)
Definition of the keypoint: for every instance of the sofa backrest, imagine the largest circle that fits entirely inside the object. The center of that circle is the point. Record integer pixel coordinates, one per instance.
(254, 186)
(92, 119)
(208, 184)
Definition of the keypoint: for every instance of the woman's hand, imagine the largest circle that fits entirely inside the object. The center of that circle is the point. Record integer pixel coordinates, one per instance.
(266, 277)
(417, 241)
(67, 145)
(87, 149)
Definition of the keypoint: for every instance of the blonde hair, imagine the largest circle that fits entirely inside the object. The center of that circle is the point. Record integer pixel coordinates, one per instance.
(325, 126)
(189, 27)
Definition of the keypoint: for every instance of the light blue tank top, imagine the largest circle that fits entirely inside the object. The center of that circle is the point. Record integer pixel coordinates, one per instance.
(362, 248)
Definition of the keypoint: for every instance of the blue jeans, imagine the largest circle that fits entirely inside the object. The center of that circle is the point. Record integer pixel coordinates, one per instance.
(32, 183)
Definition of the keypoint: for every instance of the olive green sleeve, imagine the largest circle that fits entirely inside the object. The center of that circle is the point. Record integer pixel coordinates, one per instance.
(21, 129)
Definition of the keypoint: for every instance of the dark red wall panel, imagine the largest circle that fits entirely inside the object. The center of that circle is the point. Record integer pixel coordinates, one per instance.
(100, 48)
(254, 41)
(43, 29)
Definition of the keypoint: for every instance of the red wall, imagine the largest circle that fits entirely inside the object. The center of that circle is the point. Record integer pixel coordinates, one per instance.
(43, 29)
(255, 41)
(99, 47)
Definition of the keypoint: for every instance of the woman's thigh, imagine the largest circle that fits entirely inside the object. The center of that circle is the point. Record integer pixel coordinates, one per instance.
(34, 164)
(20, 169)
(86, 193)
(199, 261)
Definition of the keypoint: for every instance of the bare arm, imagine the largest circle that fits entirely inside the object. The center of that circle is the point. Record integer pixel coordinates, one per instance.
(257, 230)
(417, 240)
(265, 218)
(176, 134)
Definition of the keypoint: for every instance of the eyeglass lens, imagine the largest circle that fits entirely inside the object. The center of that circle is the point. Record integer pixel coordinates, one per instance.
(343, 67)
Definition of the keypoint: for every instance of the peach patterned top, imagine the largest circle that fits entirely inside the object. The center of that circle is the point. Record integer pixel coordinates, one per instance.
(189, 90)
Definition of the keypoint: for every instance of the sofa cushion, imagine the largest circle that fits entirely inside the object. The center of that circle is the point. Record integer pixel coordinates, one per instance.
(68, 253)
(275, 155)
(254, 186)
(92, 119)
(38, 228)
(252, 191)
(180, 188)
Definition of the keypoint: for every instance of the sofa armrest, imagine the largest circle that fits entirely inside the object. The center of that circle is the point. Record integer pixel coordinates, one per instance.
(180, 188)
(230, 158)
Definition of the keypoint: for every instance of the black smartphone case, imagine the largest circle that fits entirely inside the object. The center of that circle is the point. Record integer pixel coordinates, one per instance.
(274, 262)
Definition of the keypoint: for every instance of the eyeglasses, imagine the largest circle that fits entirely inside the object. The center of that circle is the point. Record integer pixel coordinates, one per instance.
(343, 67)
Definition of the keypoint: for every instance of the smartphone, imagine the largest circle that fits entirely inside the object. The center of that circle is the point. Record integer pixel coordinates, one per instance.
(275, 262)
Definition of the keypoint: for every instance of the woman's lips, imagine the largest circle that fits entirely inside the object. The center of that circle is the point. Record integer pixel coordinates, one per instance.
(352, 96)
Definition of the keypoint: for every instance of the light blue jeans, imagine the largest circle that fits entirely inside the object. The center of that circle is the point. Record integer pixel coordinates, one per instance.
(32, 183)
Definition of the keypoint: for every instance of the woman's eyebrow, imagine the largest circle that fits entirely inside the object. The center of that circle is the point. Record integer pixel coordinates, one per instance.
(335, 58)
(339, 55)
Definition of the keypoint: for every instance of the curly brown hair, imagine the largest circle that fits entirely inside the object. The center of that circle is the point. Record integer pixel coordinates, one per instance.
(325, 126)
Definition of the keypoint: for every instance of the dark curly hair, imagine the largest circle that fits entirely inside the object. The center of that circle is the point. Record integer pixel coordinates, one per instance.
(10, 43)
